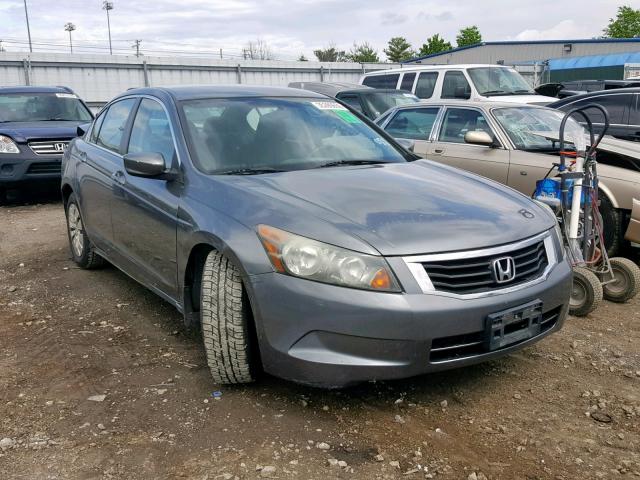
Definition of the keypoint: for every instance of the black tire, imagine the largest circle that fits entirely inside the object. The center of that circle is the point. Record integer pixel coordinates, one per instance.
(586, 292)
(627, 281)
(226, 322)
(611, 225)
(82, 250)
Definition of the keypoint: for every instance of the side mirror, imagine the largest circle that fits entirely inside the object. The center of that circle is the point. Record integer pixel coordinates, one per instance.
(408, 144)
(145, 164)
(82, 129)
(479, 137)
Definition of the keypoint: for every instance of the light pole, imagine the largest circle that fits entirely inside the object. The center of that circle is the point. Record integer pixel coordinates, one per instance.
(70, 27)
(108, 6)
(26, 14)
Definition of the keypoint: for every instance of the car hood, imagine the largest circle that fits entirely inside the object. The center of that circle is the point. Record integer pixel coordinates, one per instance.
(23, 132)
(526, 99)
(406, 208)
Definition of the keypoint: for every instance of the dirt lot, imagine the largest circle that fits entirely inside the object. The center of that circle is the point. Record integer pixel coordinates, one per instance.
(99, 379)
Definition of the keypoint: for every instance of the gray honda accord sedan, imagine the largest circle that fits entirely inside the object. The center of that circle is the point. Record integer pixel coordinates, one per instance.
(304, 241)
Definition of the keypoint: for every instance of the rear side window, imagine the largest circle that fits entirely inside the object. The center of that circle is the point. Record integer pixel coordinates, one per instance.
(151, 131)
(414, 124)
(113, 125)
(407, 81)
(617, 107)
(455, 85)
(352, 100)
(382, 81)
(426, 84)
(458, 121)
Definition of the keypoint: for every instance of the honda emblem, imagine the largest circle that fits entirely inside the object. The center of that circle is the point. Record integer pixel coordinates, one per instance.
(504, 269)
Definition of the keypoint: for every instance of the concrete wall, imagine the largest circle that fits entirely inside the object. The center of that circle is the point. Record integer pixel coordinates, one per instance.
(98, 78)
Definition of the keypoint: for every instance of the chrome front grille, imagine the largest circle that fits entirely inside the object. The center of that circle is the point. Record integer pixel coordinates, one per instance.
(473, 273)
(49, 147)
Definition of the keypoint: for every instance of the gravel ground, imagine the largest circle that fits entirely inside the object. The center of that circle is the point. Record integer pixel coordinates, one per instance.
(99, 379)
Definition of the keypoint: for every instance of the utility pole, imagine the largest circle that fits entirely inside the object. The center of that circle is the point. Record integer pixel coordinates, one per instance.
(108, 6)
(70, 27)
(136, 45)
(221, 53)
(26, 14)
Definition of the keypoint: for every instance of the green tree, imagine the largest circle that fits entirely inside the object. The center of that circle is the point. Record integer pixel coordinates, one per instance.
(399, 49)
(435, 44)
(625, 25)
(468, 36)
(363, 53)
(330, 54)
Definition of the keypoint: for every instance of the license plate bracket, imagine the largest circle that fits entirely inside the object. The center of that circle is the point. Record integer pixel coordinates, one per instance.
(513, 325)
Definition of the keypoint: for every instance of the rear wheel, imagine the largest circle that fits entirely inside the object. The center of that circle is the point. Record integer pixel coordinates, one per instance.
(586, 292)
(226, 322)
(626, 283)
(82, 249)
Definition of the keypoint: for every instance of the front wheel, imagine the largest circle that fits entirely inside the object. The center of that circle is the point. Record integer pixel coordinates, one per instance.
(82, 250)
(226, 322)
(626, 281)
(586, 292)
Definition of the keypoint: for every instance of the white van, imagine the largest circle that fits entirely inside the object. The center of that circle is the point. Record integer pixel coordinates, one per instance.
(462, 82)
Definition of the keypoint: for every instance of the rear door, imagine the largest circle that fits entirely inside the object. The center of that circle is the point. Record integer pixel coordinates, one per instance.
(450, 148)
(99, 160)
(144, 212)
(413, 124)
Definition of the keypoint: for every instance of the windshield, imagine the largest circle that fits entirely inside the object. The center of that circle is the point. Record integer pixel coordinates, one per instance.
(278, 134)
(380, 102)
(496, 81)
(34, 107)
(526, 126)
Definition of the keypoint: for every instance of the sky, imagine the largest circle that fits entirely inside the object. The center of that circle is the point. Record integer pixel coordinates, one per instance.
(291, 27)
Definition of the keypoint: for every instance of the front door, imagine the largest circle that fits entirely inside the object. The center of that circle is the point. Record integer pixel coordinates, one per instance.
(145, 209)
(450, 147)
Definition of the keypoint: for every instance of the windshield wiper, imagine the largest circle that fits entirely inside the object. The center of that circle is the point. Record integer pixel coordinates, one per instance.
(250, 171)
(351, 162)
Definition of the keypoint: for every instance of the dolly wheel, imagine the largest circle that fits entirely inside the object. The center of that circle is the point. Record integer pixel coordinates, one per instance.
(627, 280)
(586, 292)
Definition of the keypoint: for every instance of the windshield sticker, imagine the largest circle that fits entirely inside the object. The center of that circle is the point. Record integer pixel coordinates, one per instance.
(66, 95)
(347, 116)
(328, 106)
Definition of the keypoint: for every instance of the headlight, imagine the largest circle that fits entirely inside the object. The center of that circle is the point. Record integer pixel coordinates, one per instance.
(7, 145)
(306, 258)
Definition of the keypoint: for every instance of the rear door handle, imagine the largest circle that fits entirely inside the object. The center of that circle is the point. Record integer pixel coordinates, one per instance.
(118, 176)
(439, 151)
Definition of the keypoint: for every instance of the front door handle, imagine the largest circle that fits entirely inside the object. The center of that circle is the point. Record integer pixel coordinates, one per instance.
(439, 151)
(523, 172)
(118, 176)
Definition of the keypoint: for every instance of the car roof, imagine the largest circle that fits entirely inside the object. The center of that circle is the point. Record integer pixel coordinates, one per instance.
(467, 103)
(575, 98)
(434, 67)
(193, 92)
(329, 88)
(34, 89)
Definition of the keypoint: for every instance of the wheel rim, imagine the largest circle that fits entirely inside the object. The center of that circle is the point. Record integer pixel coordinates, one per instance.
(620, 283)
(76, 231)
(578, 294)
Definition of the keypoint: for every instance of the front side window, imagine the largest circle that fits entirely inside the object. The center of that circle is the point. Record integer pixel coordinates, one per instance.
(497, 81)
(616, 106)
(458, 121)
(113, 125)
(279, 134)
(455, 85)
(96, 127)
(151, 131)
(527, 127)
(352, 100)
(426, 84)
(382, 81)
(42, 107)
(414, 124)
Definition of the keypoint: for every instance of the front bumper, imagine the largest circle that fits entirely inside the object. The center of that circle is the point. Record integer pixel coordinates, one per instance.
(331, 336)
(27, 166)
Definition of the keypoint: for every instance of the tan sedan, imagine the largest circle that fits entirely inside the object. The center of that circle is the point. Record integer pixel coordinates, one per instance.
(506, 142)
